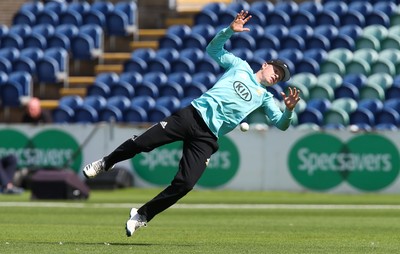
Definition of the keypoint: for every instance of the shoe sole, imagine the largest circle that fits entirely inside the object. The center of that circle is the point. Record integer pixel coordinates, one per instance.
(128, 233)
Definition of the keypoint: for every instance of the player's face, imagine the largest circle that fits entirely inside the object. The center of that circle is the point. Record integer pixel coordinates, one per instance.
(271, 74)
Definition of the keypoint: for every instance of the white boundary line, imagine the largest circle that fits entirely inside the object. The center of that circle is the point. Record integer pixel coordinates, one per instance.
(202, 206)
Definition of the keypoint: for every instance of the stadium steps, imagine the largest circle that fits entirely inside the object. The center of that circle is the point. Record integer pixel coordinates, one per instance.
(151, 33)
(144, 44)
(81, 91)
(49, 104)
(117, 68)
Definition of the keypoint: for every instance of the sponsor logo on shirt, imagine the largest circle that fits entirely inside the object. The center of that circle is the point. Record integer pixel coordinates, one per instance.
(242, 90)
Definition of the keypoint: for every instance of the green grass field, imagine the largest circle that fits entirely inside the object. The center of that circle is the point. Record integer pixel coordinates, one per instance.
(351, 224)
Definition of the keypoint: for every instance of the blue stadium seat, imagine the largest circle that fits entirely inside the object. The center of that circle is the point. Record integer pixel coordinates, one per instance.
(95, 101)
(206, 17)
(169, 102)
(373, 105)
(170, 41)
(343, 41)
(24, 79)
(238, 6)
(47, 17)
(293, 42)
(10, 54)
(207, 64)
(268, 42)
(353, 31)
(183, 65)
(135, 114)
(35, 41)
(179, 30)
(168, 54)
(94, 17)
(277, 30)
(145, 102)
(193, 54)
(258, 18)
(60, 41)
(148, 89)
(318, 41)
(85, 114)
(157, 114)
(194, 41)
(386, 127)
(317, 54)
(320, 104)
(194, 90)
(387, 7)
(62, 114)
(277, 17)
(99, 89)
(186, 101)
(289, 7)
(72, 101)
(364, 7)
(310, 115)
(122, 88)
(226, 16)
(45, 30)
(393, 103)
(356, 79)
(338, 7)
(326, 17)
(145, 53)
(392, 92)
(88, 43)
(207, 79)
(347, 90)
(70, 31)
(157, 78)
(158, 64)
(265, 7)
(304, 31)
(171, 89)
(24, 17)
(104, 7)
(353, 18)
(388, 116)
(377, 17)
(122, 20)
(33, 7)
(71, 17)
(181, 78)
(108, 78)
(57, 7)
(243, 40)
(311, 6)
(307, 65)
(80, 7)
(205, 30)
(24, 64)
(215, 7)
(265, 53)
(5, 65)
(329, 31)
(116, 105)
(303, 17)
(135, 64)
(131, 77)
(12, 41)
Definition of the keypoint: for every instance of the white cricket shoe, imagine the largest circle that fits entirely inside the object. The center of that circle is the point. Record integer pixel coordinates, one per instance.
(135, 222)
(93, 169)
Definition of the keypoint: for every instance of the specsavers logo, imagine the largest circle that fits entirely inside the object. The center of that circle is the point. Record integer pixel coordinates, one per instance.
(49, 148)
(160, 165)
(367, 162)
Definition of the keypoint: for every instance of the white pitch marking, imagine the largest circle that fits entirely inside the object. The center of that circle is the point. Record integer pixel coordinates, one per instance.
(201, 206)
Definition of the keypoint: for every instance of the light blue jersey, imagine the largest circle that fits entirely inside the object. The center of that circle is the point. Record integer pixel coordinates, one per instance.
(236, 94)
